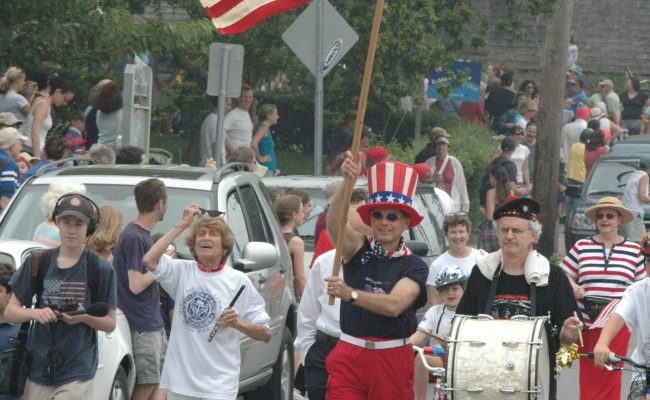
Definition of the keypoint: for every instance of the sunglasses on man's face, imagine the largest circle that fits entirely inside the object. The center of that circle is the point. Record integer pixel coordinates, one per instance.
(392, 217)
(211, 213)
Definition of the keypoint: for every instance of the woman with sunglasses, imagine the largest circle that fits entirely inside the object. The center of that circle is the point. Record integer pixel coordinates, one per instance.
(600, 268)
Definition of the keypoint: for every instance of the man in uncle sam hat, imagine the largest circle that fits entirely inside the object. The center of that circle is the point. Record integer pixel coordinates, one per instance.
(518, 281)
(384, 285)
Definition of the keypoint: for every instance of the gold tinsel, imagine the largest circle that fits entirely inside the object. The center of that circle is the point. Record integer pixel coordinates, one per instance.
(565, 356)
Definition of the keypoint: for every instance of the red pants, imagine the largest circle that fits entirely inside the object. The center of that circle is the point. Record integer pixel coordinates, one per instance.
(599, 383)
(356, 373)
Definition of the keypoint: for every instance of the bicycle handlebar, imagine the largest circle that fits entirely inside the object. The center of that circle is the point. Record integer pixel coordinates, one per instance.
(616, 359)
(422, 351)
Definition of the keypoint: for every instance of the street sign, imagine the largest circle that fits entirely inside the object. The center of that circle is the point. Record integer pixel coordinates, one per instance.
(338, 37)
(231, 58)
(136, 106)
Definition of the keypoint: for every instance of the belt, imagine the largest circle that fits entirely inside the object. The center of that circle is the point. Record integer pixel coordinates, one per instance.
(370, 345)
(326, 338)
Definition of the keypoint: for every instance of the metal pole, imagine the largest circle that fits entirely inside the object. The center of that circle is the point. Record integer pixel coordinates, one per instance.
(318, 92)
(223, 82)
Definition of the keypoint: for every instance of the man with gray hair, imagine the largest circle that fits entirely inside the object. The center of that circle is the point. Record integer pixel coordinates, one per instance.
(102, 154)
(11, 144)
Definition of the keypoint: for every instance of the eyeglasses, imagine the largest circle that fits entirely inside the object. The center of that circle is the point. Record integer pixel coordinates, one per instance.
(515, 231)
(211, 213)
(392, 217)
(607, 216)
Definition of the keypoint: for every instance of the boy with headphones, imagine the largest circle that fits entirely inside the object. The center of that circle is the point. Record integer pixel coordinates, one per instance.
(63, 347)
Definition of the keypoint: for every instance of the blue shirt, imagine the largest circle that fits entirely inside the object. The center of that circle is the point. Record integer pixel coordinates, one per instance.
(267, 148)
(9, 177)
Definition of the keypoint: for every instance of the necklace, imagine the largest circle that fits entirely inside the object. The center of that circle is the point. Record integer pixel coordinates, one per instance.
(205, 268)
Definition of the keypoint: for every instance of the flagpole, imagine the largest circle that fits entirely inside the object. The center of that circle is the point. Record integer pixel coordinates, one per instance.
(358, 124)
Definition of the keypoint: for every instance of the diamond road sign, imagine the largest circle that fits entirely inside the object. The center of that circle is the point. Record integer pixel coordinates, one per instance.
(338, 37)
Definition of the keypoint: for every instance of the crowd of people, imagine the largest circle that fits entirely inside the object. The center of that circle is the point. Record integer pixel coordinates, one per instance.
(361, 346)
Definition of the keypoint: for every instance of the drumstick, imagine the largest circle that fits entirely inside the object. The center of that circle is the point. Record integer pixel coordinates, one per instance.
(575, 314)
(433, 335)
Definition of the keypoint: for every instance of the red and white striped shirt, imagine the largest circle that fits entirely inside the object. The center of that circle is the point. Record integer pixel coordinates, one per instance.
(604, 273)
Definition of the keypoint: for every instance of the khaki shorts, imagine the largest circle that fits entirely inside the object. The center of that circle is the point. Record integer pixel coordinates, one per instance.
(77, 390)
(149, 350)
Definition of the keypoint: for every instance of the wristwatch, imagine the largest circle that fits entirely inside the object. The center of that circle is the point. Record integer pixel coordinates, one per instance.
(354, 295)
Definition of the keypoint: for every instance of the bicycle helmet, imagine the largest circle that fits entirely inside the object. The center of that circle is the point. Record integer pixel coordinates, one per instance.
(449, 275)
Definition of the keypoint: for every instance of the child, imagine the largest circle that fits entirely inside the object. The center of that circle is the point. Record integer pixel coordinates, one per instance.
(633, 311)
(450, 284)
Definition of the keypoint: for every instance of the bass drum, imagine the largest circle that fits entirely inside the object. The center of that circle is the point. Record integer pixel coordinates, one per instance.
(497, 359)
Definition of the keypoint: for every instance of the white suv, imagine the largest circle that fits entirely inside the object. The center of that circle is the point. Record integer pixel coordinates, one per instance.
(266, 369)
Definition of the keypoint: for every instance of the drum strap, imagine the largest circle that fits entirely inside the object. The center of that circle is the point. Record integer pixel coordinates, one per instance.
(493, 292)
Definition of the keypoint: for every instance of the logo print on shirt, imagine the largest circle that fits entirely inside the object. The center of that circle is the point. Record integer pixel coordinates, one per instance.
(200, 309)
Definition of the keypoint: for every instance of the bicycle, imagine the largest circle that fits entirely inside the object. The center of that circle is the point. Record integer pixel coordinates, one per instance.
(438, 373)
(639, 388)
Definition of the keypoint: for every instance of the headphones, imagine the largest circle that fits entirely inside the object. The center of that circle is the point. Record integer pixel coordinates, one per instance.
(94, 219)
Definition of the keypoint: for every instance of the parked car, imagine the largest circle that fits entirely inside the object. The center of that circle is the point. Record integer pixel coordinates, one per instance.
(632, 144)
(427, 238)
(608, 177)
(266, 369)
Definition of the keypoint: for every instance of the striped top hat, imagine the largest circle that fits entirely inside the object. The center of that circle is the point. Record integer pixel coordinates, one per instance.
(391, 184)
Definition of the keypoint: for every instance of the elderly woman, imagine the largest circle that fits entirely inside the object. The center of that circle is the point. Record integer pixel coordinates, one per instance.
(196, 367)
(600, 268)
(448, 174)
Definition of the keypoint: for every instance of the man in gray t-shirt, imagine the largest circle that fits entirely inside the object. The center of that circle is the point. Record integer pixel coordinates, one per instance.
(138, 296)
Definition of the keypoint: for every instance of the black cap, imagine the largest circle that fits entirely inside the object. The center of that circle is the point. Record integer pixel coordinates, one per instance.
(508, 144)
(523, 207)
(77, 206)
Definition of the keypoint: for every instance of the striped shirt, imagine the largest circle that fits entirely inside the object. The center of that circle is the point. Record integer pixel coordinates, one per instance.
(602, 273)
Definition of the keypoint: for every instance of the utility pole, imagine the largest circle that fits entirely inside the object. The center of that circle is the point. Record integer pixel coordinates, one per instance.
(547, 159)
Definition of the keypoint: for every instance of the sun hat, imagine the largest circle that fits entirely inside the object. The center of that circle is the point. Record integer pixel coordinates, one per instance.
(597, 113)
(9, 136)
(441, 139)
(9, 119)
(614, 204)
(391, 184)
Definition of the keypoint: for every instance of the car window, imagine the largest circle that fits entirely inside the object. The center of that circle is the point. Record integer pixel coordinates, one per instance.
(429, 230)
(237, 223)
(609, 178)
(25, 213)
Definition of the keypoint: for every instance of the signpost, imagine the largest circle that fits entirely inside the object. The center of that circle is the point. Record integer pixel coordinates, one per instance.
(320, 50)
(225, 69)
(136, 106)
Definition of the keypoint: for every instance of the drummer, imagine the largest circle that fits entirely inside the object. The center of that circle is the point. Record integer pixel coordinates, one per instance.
(517, 280)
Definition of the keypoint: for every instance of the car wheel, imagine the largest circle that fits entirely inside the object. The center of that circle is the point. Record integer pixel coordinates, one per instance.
(280, 386)
(120, 388)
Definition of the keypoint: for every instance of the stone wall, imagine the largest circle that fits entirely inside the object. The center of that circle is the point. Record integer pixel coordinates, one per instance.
(611, 35)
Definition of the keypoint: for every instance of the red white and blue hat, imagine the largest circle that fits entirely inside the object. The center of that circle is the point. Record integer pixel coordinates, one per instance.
(391, 184)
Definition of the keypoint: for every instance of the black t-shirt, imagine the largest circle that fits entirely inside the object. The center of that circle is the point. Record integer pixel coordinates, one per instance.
(498, 102)
(380, 276)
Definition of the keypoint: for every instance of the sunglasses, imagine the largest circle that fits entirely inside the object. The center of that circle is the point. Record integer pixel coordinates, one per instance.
(211, 213)
(607, 216)
(392, 217)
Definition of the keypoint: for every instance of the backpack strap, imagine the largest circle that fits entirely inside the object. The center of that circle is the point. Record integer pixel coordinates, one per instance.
(40, 264)
(92, 275)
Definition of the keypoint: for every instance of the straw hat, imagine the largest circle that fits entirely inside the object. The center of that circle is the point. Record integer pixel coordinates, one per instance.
(612, 203)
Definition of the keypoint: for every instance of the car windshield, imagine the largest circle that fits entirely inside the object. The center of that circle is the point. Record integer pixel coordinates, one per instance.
(609, 178)
(21, 221)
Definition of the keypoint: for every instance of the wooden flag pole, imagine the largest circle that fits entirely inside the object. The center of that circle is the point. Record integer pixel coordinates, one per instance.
(358, 125)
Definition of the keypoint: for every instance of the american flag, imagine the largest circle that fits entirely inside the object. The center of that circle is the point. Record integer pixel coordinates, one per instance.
(235, 16)
(604, 314)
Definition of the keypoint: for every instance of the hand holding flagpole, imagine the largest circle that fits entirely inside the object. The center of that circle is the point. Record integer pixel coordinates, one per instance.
(358, 124)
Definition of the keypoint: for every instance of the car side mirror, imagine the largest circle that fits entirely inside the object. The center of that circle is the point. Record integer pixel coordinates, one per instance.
(573, 190)
(418, 248)
(257, 256)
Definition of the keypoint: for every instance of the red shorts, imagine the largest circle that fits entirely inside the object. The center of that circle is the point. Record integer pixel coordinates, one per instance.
(356, 373)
